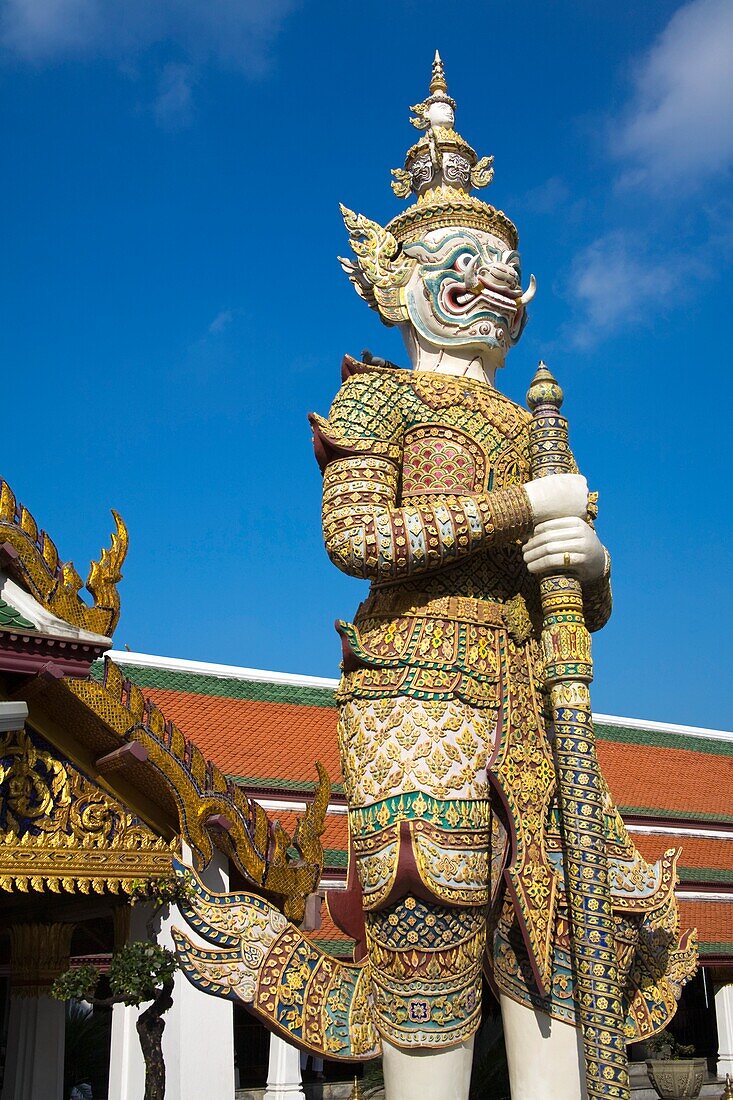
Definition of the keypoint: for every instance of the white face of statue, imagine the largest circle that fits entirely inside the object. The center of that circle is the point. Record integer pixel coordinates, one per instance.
(465, 291)
(440, 113)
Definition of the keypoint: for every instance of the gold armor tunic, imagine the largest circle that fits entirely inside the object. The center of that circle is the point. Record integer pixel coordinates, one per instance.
(446, 761)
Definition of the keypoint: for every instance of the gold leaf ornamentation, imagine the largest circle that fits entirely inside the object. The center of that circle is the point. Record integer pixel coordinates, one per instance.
(56, 584)
(63, 832)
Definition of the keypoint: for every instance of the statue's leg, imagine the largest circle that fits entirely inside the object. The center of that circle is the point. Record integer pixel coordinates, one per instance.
(427, 1074)
(421, 829)
(425, 968)
(545, 1056)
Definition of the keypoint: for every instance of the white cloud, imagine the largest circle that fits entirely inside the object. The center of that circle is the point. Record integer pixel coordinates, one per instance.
(678, 127)
(613, 282)
(675, 135)
(236, 34)
(547, 197)
(173, 105)
(221, 321)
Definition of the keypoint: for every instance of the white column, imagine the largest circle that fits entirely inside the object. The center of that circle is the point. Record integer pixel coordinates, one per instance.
(35, 1060)
(545, 1056)
(424, 1074)
(724, 1013)
(198, 1040)
(126, 1065)
(283, 1071)
(34, 1065)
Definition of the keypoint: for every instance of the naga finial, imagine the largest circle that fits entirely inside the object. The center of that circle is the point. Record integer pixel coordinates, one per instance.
(106, 574)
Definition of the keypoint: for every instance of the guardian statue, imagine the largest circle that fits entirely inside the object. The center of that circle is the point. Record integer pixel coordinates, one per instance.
(456, 830)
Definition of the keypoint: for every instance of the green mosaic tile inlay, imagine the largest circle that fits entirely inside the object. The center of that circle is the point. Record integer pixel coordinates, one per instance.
(704, 874)
(335, 857)
(341, 949)
(713, 948)
(654, 813)
(226, 688)
(296, 786)
(10, 617)
(663, 740)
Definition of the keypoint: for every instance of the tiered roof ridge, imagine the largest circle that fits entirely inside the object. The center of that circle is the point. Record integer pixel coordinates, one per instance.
(266, 728)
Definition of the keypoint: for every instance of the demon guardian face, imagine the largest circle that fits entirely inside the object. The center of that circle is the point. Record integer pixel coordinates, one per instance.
(446, 269)
(465, 291)
(455, 287)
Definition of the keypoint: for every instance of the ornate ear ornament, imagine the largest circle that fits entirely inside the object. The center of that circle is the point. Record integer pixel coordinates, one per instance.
(380, 270)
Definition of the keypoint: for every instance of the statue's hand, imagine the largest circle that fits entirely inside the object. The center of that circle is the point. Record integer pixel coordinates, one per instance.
(559, 544)
(557, 496)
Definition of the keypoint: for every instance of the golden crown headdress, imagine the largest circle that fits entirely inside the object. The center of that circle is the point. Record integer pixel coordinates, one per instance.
(441, 169)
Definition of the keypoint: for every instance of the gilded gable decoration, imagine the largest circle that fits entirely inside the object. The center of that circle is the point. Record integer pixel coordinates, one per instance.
(56, 584)
(62, 833)
(212, 810)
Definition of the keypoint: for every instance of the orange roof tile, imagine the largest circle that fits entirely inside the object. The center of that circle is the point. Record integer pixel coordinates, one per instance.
(271, 740)
(251, 739)
(674, 779)
(697, 852)
(328, 930)
(713, 920)
(275, 731)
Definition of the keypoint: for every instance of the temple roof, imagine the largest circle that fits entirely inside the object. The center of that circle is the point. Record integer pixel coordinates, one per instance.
(10, 617)
(266, 730)
(48, 586)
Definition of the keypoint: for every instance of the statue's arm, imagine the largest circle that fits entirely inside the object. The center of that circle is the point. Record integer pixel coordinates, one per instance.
(366, 531)
(367, 534)
(597, 597)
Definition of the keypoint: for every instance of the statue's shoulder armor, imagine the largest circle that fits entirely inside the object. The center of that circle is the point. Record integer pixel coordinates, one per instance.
(366, 416)
(447, 393)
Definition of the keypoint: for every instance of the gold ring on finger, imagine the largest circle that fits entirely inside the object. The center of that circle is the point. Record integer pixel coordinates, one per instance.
(566, 560)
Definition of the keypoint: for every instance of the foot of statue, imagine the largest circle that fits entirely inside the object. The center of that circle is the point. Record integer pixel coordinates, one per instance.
(545, 1056)
(427, 1074)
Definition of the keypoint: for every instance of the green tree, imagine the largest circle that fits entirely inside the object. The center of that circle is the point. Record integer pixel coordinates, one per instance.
(139, 972)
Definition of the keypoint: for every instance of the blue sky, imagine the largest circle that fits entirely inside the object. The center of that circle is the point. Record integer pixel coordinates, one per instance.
(172, 305)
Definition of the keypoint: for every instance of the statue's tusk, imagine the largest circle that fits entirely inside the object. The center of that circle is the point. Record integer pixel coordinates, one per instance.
(530, 291)
(473, 284)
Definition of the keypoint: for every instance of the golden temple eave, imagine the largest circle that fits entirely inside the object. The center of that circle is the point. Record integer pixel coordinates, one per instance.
(30, 554)
(62, 833)
(125, 743)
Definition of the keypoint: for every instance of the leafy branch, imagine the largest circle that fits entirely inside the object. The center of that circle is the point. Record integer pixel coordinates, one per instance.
(140, 971)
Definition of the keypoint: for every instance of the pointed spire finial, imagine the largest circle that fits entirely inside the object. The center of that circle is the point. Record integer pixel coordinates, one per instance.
(441, 170)
(438, 82)
(544, 389)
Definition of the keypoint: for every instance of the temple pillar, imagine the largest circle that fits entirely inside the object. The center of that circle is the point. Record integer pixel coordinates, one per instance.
(198, 1039)
(283, 1071)
(126, 1065)
(724, 1015)
(34, 1066)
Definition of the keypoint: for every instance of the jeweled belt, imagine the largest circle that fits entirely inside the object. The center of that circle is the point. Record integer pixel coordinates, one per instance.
(512, 616)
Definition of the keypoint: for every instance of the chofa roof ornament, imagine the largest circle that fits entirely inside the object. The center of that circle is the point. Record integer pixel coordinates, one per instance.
(441, 169)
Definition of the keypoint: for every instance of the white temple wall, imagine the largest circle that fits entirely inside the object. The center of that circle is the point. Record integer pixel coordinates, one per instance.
(198, 1040)
(35, 1061)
